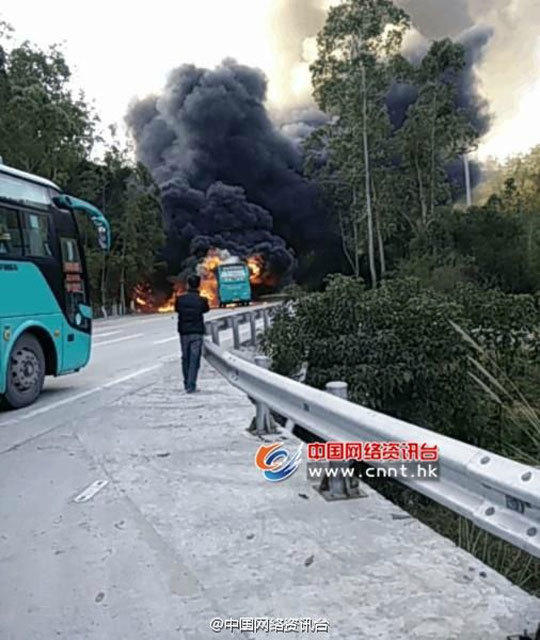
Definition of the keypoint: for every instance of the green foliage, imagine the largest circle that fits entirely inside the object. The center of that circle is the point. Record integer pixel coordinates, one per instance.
(44, 129)
(494, 244)
(356, 33)
(390, 193)
(386, 187)
(435, 131)
(395, 348)
(438, 270)
(443, 360)
(130, 199)
(501, 242)
(521, 173)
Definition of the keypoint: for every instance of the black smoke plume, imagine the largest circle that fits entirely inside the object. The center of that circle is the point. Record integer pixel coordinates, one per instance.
(229, 177)
(221, 217)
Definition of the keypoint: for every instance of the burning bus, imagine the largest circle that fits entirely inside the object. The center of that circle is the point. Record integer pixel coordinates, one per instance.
(225, 279)
(233, 280)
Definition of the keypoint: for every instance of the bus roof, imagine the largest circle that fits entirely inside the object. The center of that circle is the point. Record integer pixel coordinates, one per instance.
(29, 176)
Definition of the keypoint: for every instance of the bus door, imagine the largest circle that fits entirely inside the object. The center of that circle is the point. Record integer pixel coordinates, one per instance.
(38, 241)
(77, 323)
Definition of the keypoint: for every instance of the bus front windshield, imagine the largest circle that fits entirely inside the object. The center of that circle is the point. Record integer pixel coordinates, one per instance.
(24, 192)
(28, 193)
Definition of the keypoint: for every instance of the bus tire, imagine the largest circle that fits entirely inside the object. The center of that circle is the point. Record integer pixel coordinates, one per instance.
(25, 372)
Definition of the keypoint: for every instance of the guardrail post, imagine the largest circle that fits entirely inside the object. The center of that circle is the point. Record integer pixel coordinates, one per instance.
(339, 486)
(262, 361)
(253, 324)
(262, 423)
(498, 494)
(339, 389)
(214, 331)
(266, 319)
(235, 331)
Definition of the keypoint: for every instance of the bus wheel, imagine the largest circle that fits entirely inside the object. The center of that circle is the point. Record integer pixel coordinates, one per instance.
(26, 372)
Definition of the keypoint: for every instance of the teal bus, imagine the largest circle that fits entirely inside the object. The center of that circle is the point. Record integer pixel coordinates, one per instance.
(45, 312)
(233, 284)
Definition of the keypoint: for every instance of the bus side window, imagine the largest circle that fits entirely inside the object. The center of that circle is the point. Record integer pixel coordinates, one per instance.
(10, 235)
(35, 234)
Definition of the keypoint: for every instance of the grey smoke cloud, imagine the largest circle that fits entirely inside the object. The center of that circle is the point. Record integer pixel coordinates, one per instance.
(293, 22)
(501, 37)
(438, 18)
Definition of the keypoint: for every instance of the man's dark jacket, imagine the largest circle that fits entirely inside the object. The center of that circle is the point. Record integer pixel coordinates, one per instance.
(190, 308)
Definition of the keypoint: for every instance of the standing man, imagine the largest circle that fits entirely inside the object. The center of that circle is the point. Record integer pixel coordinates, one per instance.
(190, 308)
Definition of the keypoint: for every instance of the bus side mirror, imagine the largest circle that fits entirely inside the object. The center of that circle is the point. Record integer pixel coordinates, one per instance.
(103, 238)
(99, 221)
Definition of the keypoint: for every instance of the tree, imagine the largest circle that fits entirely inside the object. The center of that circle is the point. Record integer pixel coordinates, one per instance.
(396, 349)
(357, 48)
(435, 131)
(141, 233)
(44, 129)
(131, 201)
(520, 196)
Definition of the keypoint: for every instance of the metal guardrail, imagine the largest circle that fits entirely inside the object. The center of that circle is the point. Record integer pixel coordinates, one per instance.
(234, 320)
(499, 495)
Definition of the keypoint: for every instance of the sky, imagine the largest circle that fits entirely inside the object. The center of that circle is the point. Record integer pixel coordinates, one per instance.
(120, 51)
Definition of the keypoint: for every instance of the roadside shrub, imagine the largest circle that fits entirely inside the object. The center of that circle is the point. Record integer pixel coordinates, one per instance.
(398, 352)
(505, 325)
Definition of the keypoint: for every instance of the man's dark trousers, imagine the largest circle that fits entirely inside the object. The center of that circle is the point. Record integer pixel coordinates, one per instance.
(191, 359)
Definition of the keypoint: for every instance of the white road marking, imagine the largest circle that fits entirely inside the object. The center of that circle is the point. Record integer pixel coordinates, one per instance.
(166, 340)
(130, 337)
(104, 335)
(78, 396)
(91, 491)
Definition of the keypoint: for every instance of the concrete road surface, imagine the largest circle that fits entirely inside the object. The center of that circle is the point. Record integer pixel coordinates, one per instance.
(124, 352)
(132, 511)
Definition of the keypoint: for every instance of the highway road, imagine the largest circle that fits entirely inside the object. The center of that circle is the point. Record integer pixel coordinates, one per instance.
(130, 509)
(125, 351)
(65, 540)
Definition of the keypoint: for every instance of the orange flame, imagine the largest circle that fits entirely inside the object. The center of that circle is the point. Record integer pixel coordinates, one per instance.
(255, 265)
(146, 300)
(258, 273)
